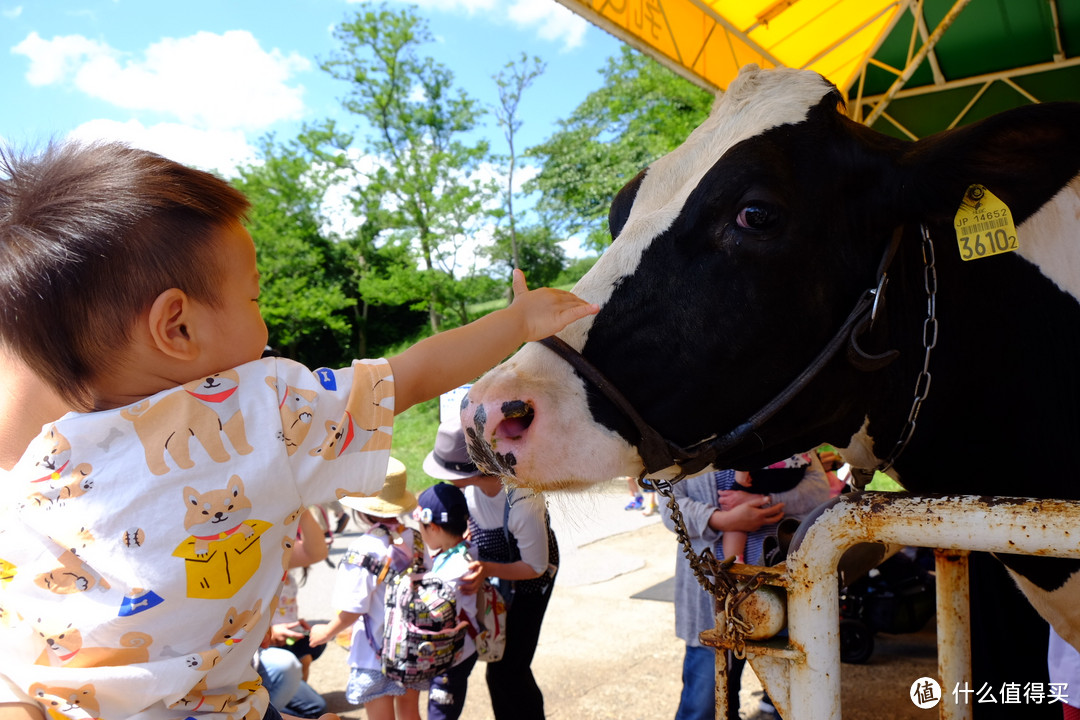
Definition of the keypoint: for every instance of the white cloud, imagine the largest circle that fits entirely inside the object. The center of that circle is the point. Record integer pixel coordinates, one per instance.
(217, 150)
(210, 81)
(12, 12)
(552, 21)
(53, 60)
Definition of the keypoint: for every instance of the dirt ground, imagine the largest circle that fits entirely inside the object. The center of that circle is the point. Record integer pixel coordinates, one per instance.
(608, 648)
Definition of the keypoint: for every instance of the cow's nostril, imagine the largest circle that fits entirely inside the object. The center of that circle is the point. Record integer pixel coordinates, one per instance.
(517, 417)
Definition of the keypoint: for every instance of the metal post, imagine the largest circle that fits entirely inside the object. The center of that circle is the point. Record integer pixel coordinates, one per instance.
(953, 628)
(723, 670)
(959, 522)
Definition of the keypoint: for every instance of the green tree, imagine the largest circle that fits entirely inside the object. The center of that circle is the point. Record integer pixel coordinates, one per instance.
(512, 81)
(417, 125)
(536, 251)
(641, 112)
(303, 270)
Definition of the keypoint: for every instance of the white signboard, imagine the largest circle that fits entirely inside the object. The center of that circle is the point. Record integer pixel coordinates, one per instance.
(450, 402)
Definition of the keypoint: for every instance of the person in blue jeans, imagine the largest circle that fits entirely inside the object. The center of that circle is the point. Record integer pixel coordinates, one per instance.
(279, 667)
(282, 676)
(699, 501)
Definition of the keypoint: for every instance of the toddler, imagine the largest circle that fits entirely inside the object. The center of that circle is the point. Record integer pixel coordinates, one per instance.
(444, 517)
(360, 594)
(143, 537)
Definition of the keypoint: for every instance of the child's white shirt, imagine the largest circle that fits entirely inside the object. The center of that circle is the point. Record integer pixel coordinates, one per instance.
(141, 547)
(357, 590)
(527, 521)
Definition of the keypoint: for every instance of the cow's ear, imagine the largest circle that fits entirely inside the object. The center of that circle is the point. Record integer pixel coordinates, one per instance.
(620, 206)
(1024, 156)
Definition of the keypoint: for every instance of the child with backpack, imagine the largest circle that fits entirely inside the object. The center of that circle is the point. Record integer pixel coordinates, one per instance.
(388, 547)
(443, 515)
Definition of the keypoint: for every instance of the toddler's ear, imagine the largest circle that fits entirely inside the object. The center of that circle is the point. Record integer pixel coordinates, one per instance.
(167, 323)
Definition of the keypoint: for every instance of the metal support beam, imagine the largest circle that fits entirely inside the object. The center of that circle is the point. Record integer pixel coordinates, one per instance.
(899, 83)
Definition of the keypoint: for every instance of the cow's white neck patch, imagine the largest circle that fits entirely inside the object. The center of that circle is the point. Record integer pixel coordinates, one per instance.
(860, 453)
(1048, 239)
(756, 101)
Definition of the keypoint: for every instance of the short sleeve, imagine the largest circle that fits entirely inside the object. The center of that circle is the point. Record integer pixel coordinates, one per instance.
(337, 426)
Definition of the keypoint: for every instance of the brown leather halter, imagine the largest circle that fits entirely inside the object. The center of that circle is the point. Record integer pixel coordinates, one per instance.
(658, 453)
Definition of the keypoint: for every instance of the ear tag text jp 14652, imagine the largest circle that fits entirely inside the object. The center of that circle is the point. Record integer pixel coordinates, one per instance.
(984, 225)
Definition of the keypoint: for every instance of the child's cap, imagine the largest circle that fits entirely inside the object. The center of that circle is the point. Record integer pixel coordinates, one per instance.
(450, 460)
(393, 499)
(444, 505)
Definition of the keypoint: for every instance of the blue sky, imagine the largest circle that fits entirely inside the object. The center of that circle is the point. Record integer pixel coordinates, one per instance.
(200, 80)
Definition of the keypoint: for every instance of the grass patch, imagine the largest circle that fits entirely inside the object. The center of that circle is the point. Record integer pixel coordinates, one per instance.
(414, 436)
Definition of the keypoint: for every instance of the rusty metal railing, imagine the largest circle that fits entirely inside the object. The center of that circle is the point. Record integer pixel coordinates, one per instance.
(801, 673)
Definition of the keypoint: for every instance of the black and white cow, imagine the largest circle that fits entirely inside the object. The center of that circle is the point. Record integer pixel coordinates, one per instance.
(738, 258)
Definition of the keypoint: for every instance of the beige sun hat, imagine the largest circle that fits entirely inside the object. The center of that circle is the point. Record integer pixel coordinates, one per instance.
(393, 499)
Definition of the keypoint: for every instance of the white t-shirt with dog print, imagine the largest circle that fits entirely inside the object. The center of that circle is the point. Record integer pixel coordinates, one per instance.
(141, 548)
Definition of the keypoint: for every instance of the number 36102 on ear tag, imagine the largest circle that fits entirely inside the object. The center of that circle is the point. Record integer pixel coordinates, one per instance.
(984, 225)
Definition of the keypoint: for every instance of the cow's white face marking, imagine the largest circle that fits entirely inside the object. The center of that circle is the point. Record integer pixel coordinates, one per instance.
(566, 447)
(756, 101)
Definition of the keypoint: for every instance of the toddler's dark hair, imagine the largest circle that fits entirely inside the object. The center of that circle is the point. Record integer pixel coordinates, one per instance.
(90, 235)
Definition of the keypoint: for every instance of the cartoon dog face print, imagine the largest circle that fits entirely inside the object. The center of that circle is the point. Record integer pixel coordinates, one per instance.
(66, 701)
(287, 544)
(202, 409)
(216, 514)
(366, 425)
(339, 438)
(64, 648)
(224, 548)
(294, 515)
(57, 479)
(237, 625)
(297, 408)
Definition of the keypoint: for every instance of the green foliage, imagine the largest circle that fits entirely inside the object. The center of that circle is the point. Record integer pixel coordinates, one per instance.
(642, 112)
(414, 437)
(303, 300)
(883, 483)
(512, 81)
(539, 255)
(426, 189)
(574, 271)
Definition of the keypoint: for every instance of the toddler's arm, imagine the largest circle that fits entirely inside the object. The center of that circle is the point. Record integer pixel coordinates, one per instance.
(449, 359)
(324, 631)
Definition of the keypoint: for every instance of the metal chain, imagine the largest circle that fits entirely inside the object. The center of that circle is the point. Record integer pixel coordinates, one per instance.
(930, 336)
(862, 476)
(724, 586)
(714, 575)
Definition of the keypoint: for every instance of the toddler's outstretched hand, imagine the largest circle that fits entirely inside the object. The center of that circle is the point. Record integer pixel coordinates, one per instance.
(319, 634)
(546, 311)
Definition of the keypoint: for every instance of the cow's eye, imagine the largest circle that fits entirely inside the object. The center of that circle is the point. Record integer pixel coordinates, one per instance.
(757, 216)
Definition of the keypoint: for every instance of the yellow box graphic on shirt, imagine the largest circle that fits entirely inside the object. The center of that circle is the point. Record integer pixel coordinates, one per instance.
(229, 562)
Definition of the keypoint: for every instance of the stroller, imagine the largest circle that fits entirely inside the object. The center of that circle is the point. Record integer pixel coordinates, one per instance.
(897, 596)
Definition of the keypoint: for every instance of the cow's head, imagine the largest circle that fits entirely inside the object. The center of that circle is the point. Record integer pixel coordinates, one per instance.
(735, 259)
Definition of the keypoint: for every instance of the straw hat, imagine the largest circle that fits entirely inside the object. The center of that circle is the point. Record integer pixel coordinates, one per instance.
(393, 499)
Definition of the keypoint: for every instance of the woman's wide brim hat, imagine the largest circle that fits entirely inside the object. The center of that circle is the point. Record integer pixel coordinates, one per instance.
(392, 500)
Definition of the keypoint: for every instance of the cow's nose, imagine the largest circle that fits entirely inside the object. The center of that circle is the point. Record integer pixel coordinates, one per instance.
(517, 416)
(496, 432)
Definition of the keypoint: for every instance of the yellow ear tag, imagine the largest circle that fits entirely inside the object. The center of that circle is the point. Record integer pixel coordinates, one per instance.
(984, 225)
